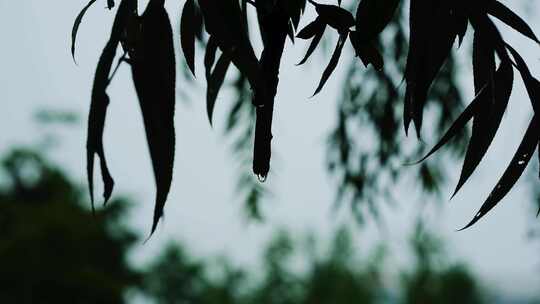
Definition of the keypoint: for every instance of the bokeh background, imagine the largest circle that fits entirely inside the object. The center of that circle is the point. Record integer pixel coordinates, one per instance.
(208, 249)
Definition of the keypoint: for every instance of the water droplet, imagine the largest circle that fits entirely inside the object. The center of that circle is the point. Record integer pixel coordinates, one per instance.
(521, 162)
(261, 178)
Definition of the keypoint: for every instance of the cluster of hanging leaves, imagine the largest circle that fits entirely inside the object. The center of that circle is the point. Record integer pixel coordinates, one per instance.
(222, 27)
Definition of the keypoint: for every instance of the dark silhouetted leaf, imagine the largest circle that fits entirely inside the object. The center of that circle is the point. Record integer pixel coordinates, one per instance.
(462, 27)
(531, 84)
(153, 67)
(100, 102)
(484, 131)
(290, 32)
(333, 63)
(460, 123)
(190, 22)
(215, 82)
(513, 172)
(311, 29)
(315, 42)
(334, 16)
(420, 21)
(434, 28)
(210, 56)
(76, 25)
(372, 17)
(223, 20)
(503, 13)
(96, 124)
(366, 52)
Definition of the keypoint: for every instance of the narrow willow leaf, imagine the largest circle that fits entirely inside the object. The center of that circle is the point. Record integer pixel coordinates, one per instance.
(531, 84)
(153, 68)
(189, 23)
(215, 82)
(100, 102)
(438, 50)
(372, 17)
(311, 30)
(459, 124)
(223, 20)
(333, 63)
(334, 16)
(430, 47)
(293, 9)
(482, 23)
(367, 52)
(76, 26)
(290, 32)
(314, 43)
(210, 56)
(513, 172)
(462, 27)
(506, 15)
(420, 23)
(479, 145)
(484, 66)
(96, 123)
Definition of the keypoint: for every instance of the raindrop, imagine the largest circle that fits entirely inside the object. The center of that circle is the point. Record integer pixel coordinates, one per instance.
(261, 178)
(521, 162)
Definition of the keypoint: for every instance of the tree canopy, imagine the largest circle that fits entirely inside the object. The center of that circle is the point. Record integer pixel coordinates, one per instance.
(224, 29)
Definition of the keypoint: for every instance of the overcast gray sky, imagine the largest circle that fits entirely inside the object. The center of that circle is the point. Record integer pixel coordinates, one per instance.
(36, 71)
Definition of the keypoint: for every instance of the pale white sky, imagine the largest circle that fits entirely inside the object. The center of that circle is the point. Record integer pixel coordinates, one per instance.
(37, 71)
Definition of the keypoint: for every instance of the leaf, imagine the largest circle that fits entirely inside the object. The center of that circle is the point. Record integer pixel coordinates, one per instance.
(100, 102)
(96, 124)
(334, 16)
(485, 130)
(506, 15)
(210, 56)
(189, 23)
(311, 30)
(434, 28)
(462, 27)
(290, 31)
(76, 25)
(484, 66)
(421, 13)
(367, 52)
(333, 63)
(372, 17)
(154, 74)
(513, 171)
(215, 82)
(531, 84)
(314, 43)
(459, 124)
(294, 10)
(223, 20)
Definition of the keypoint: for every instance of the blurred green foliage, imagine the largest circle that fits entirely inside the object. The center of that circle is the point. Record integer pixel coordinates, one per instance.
(53, 250)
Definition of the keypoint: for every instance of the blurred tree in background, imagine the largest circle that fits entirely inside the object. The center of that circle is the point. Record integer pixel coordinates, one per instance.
(52, 249)
(55, 251)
